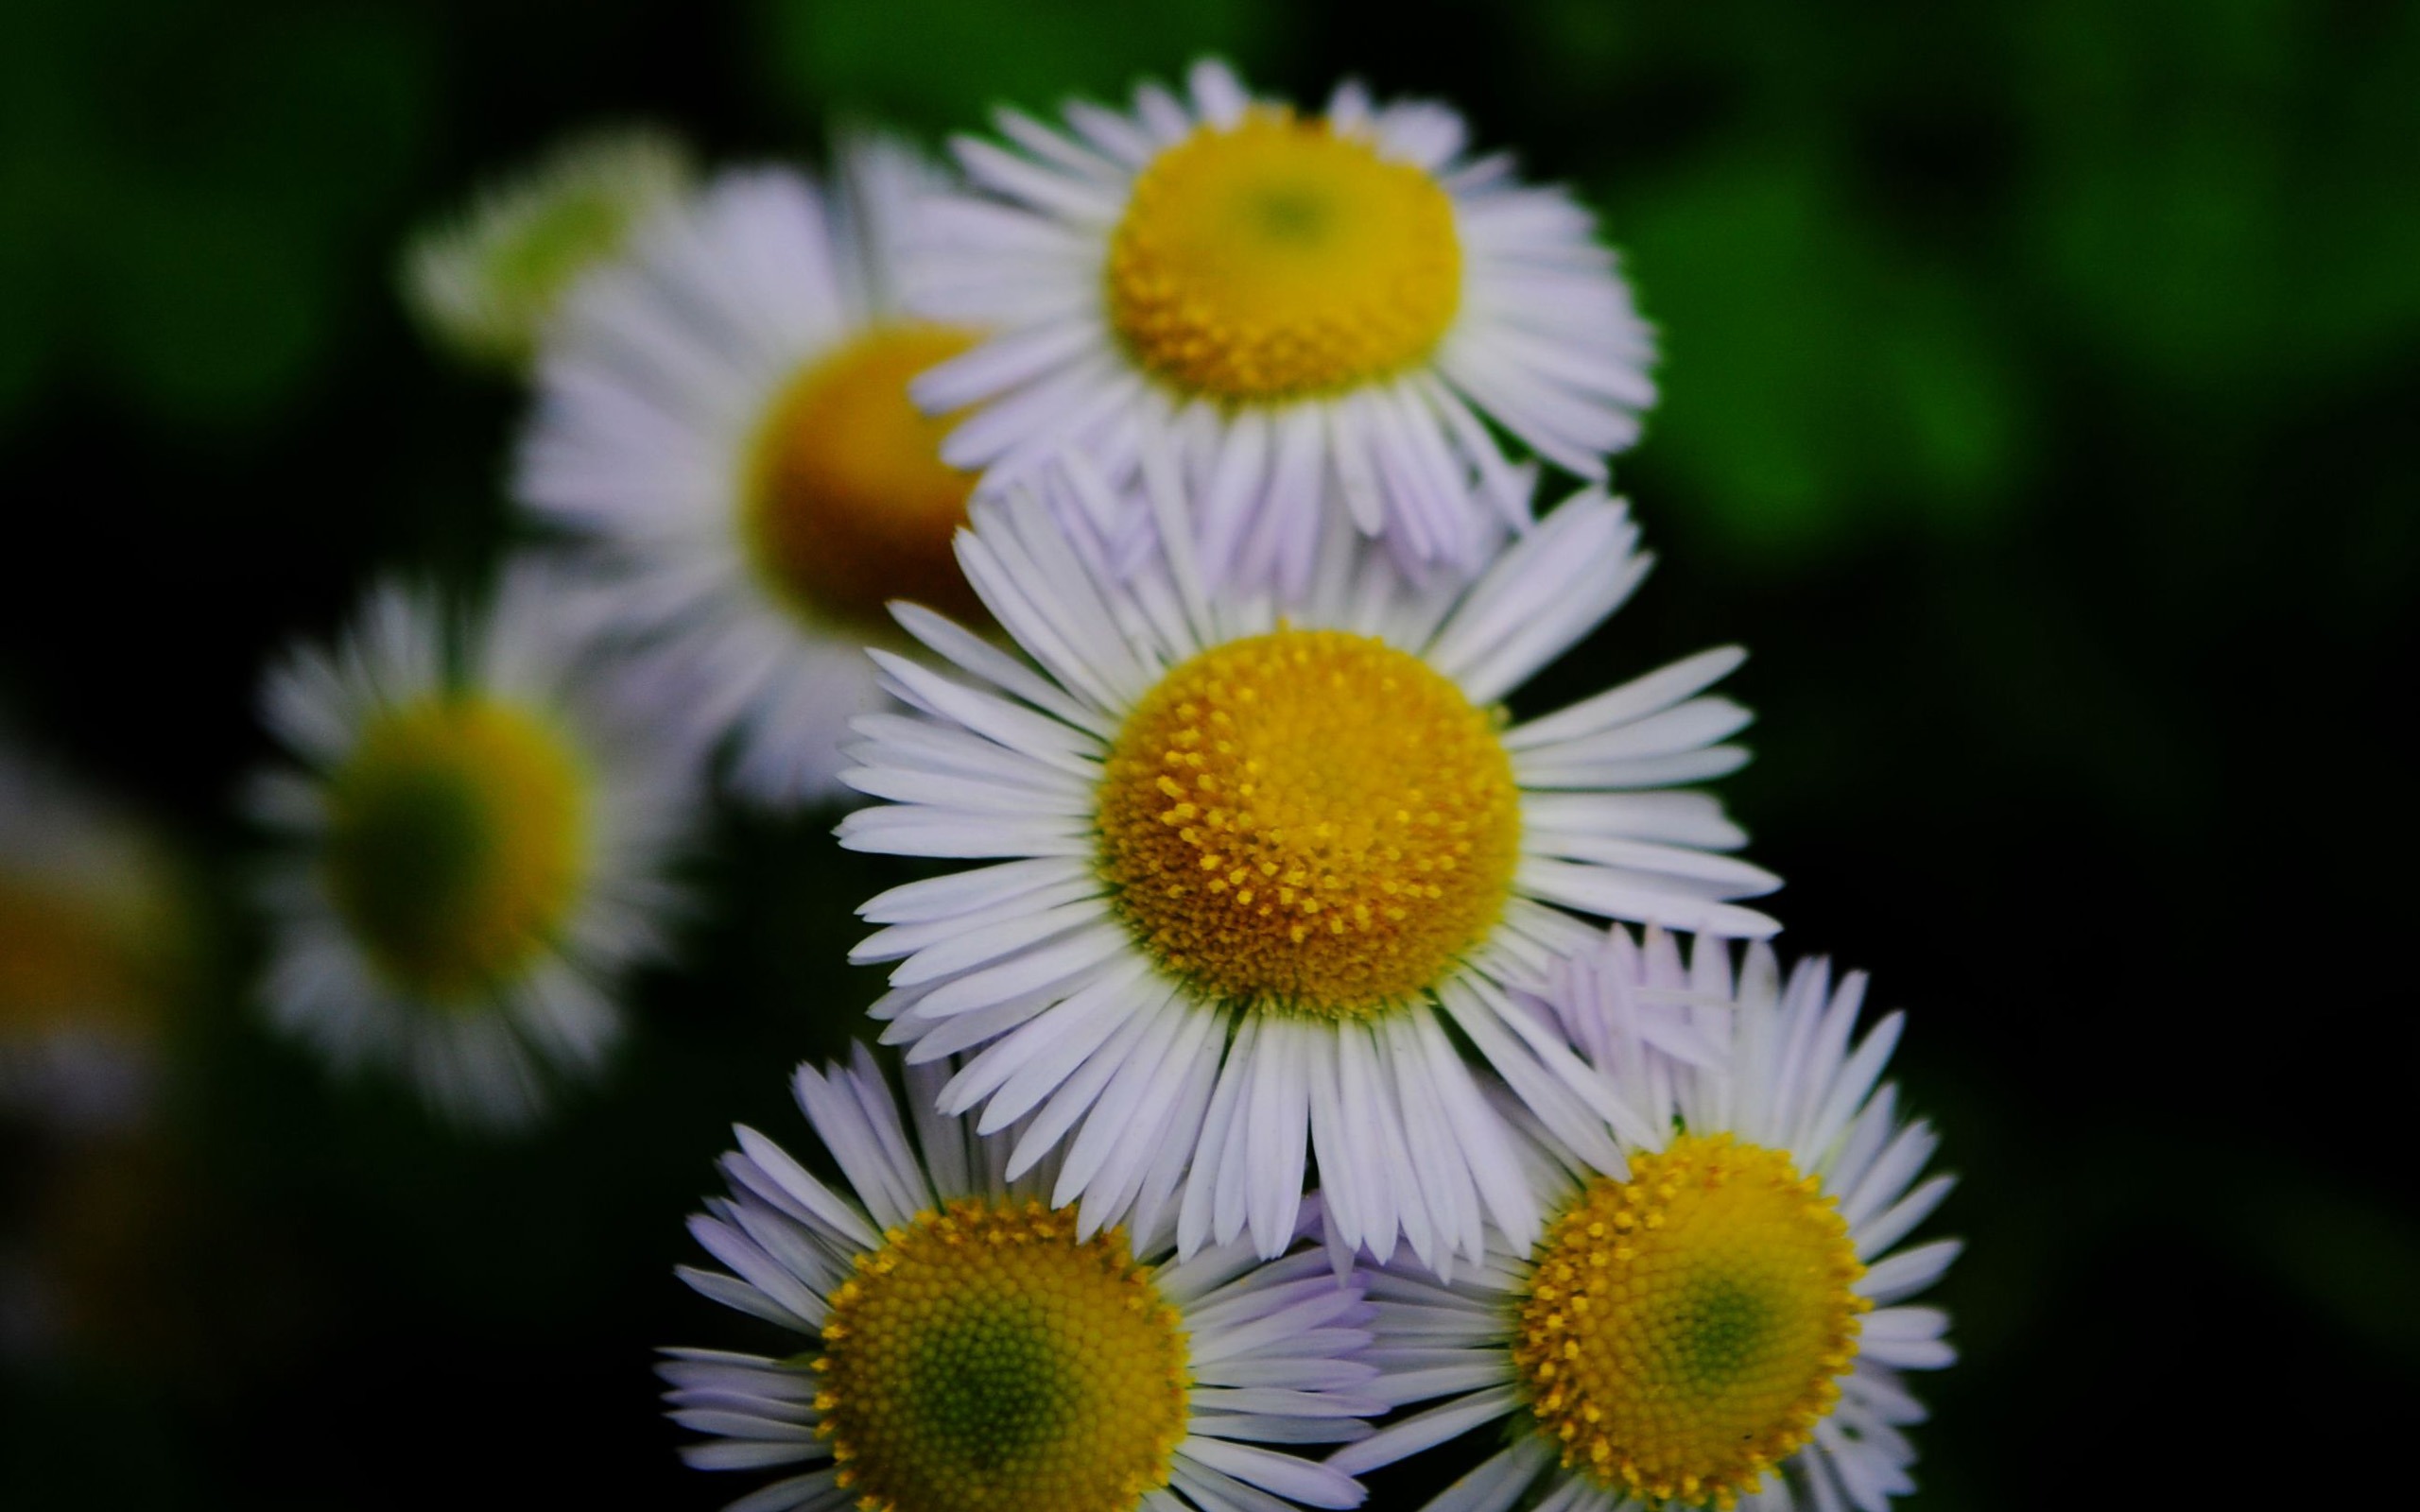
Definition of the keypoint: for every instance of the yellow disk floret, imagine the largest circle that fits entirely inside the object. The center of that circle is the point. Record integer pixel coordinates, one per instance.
(1684, 1330)
(1276, 258)
(457, 842)
(1311, 820)
(986, 1360)
(848, 503)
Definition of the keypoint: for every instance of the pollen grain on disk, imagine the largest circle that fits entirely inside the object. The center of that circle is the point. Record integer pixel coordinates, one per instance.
(1309, 819)
(1685, 1327)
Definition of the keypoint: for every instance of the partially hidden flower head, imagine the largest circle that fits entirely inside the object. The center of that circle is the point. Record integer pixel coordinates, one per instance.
(472, 843)
(97, 940)
(484, 282)
(1241, 867)
(1289, 312)
(967, 1348)
(1716, 1314)
(724, 415)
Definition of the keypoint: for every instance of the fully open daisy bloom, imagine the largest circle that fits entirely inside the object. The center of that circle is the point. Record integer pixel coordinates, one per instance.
(1293, 313)
(485, 282)
(94, 933)
(970, 1350)
(726, 414)
(474, 845)
(1248, 866)
(1713, 1316)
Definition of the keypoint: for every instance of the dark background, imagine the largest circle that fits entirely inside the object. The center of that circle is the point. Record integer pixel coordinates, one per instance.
(2039, 378)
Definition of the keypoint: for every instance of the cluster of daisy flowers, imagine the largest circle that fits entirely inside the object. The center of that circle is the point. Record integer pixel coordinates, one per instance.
(1296, 1066)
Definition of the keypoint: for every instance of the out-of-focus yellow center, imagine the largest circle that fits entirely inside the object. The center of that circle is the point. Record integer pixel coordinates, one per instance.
(69, 959)
(457, 843)
(986, 1360)
(1310, 820)
(1275, 259)
(1684, 1330)
(849, 504)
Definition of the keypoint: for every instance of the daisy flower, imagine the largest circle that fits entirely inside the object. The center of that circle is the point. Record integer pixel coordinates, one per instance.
(1715, 1315)
(475, 844)
(726, 415)
(484, 282)
(969, 1349)
(1294, 313)
(1245, 865)
(94, 931)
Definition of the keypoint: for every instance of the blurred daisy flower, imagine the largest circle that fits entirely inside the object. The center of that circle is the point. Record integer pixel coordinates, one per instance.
(1245, 867)
(725, 413)
(95, 938)
(1716, 1314)
(475, 844)
(485, 282)
(1292, 314)
(973, 1348)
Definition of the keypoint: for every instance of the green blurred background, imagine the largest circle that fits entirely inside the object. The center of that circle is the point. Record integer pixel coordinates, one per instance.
(2040, 381)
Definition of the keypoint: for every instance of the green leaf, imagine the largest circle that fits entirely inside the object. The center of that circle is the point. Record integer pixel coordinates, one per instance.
(943, 63)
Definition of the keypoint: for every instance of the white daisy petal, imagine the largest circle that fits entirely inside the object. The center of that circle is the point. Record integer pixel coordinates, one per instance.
(1891, 1226)
(1633, 700)
(1072, 1094)
(1908, 1272)
(1300, 1480)
(1424, 1430)
(939, 898)
(1497, 1483)
(1624, 894)
(1279, 1121)
(743, 1454)
(1152, 1070)
(1143, 1176)
(1886, 1180)
(794, 1189)
(808, 1493)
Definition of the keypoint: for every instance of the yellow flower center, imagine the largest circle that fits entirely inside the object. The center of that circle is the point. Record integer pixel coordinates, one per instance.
(1310, 820)
(1682, 1329)
(1276, 258)
(71, 960)
(458, 841)
(848, 503)
(986, 1360)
